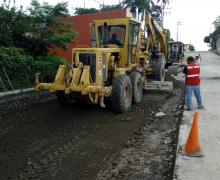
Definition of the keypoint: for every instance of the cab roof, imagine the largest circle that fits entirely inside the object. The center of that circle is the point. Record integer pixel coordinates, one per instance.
(117, 20)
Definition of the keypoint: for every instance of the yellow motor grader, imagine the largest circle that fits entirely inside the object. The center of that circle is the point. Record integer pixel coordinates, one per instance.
(122, 59)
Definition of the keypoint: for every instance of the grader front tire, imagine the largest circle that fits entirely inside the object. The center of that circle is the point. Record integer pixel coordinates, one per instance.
(121, 94)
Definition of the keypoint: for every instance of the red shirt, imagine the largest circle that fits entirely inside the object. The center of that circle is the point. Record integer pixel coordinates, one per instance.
(192, 74)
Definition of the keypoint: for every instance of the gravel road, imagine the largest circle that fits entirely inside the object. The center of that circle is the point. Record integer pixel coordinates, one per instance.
(44, 141)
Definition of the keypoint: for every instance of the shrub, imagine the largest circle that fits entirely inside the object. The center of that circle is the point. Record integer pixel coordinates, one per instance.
(20, 68)
(47, 67)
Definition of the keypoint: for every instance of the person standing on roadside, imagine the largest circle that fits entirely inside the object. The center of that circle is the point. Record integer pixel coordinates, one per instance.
(192, 71)
(198, 59)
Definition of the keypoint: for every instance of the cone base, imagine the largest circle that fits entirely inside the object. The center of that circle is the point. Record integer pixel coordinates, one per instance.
(197, 153)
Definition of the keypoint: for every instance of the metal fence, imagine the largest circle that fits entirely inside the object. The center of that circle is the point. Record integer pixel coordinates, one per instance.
(9, 83)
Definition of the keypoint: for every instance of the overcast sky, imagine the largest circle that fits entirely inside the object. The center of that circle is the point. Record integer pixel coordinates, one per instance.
(196, 17)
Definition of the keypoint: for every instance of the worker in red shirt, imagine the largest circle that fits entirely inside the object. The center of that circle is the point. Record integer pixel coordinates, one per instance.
(192, 71)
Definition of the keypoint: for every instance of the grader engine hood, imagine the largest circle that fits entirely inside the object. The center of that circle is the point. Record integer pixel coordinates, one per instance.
(87, 74)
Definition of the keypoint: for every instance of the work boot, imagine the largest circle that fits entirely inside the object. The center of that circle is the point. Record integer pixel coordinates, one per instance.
(201, 107)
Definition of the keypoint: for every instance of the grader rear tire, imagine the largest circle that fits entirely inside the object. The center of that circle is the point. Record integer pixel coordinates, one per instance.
(137, 87)
(121, 94)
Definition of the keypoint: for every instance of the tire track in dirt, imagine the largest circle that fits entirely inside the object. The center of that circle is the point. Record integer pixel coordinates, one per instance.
(48, 142)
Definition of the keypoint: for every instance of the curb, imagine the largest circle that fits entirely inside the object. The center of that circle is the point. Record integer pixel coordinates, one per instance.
(22, 97)
(184, 130)
(15, 92)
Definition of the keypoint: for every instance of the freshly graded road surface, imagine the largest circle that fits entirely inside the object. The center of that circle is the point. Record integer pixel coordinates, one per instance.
(44, 141)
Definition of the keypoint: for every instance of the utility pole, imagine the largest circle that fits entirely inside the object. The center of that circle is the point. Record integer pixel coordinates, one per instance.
(177, 29)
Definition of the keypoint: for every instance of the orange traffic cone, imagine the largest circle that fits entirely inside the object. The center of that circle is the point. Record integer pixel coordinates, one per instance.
(192, 147)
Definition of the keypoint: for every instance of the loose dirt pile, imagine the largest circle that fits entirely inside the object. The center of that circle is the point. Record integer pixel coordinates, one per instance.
(150, 154)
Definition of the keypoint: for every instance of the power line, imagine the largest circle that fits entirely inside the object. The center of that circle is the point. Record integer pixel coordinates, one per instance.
(98, 2)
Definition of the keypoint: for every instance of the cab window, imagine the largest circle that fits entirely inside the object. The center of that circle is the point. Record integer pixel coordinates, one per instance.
(112, 35)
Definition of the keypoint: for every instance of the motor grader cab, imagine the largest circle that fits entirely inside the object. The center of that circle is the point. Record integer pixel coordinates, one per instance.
(114, 67)
(175, 52)
(175, 57)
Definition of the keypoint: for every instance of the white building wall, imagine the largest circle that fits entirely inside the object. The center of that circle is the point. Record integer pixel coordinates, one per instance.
(218, 45)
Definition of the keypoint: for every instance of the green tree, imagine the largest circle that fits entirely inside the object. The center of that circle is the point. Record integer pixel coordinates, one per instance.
(212, 38)
(216, 23)
(13, 22)
(140, 5)
(151, 6)
(191, 47)
(37, 29)
(81, 11)
(167, 34)
(6, 18)
(110, 7)
(207, 39)
(46, 30)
